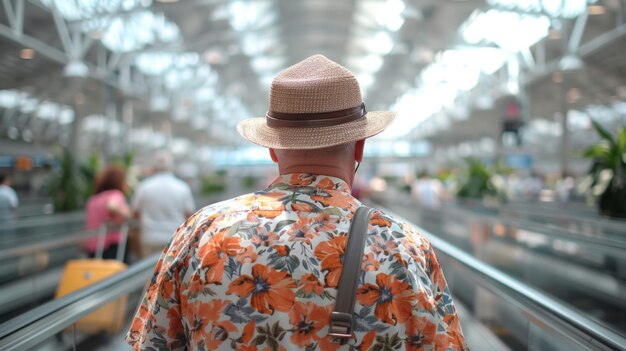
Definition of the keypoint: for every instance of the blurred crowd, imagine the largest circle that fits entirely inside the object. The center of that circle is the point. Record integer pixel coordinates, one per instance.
(141, 203)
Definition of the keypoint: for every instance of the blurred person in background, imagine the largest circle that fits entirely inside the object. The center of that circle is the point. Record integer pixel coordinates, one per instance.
(360, 189)
(565, 188)
(428, 191)
(8, 200)
(161, 203)
(532, 185)
(108, 206)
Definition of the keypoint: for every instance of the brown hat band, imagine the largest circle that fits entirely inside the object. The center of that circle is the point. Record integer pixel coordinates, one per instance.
(314, 120)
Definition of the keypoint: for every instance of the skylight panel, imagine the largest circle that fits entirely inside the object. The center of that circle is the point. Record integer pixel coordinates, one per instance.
(387, 14)
(28, 104)
(118, 33)
(48, 110)
(370, 63)
(73, 10)
(267, 64)
(552, 8)
(66, 116)
(418, 105)
(133, 32)
(511, 31)
(454, 74)
(487, 59)
(9, 98)
(175, 79)
(365, 81)
(255, 43)
(246, 15)
(154, 63)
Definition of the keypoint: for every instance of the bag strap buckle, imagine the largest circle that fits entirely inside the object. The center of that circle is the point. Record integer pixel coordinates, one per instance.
(340, 325)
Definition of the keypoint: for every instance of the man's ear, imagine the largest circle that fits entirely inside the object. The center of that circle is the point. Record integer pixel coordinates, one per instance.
(358, 150)
(273, 155)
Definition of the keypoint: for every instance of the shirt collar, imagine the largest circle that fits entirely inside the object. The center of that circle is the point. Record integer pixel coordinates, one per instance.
(313, 180)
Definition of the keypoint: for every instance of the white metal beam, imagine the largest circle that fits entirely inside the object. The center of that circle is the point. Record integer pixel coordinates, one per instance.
(8, 9)
(63, 31)
(577, 33)
(85, 40)
(18, 27)
(28, 41)
(527, 58)
(114, 60)
(602, 40)
(541, 55)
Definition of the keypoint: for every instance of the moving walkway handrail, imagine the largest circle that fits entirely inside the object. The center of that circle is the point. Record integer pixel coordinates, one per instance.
(37, 325)
(530, 209)
(610, 243)
(562, 318)
(601, 222)
(40, 221)
(74, 238)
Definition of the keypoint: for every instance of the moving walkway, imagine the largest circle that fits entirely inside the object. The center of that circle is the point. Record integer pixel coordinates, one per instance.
(498, 311)
(584, 271)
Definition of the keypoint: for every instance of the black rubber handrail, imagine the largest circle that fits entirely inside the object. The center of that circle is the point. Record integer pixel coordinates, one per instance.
(562, 318)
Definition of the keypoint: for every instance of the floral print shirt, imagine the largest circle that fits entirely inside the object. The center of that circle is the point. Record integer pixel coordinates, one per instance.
(259, 272)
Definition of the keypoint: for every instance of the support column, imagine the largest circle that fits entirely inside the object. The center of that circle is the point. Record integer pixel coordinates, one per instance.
(127, 118)
(76, 87)
(564, 148)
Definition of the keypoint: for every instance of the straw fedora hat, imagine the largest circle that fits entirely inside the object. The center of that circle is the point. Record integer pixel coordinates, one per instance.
(314, 104)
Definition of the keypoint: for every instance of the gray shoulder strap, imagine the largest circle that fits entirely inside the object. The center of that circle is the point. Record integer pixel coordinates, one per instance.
(341, 317)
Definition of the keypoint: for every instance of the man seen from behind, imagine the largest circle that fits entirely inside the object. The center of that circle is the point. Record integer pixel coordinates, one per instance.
(260, 272)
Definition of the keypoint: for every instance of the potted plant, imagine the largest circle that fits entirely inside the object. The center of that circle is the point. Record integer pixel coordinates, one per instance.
(66, 186)
(214, 183)
(75, 180)
(478, 183)
(608, 170)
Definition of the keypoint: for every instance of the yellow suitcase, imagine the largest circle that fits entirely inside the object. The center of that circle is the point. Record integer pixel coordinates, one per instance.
(81, 273)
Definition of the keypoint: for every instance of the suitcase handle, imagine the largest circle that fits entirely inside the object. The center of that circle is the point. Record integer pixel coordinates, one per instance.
(121, 246)
(102, 232)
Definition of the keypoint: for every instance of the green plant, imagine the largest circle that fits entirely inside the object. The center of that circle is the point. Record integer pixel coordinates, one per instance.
(249, 181)
(608, 170)
(477, 182)
(66, 187)
(125, 160)
(214, 183)
(75, 181)
(89, 171)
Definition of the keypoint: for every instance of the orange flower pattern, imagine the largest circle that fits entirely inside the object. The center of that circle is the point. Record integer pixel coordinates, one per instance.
(259, 272)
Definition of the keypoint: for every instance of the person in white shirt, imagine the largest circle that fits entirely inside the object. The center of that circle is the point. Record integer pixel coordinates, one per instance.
(161, 202)
(8, 200)
(427, 191)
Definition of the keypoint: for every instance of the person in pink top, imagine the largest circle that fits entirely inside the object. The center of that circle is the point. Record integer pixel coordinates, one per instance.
(107, 206)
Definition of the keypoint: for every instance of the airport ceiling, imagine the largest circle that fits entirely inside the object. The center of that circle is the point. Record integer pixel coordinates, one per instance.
(191, 69)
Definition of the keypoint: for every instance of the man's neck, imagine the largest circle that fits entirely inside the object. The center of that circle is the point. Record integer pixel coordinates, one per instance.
(328, 170)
